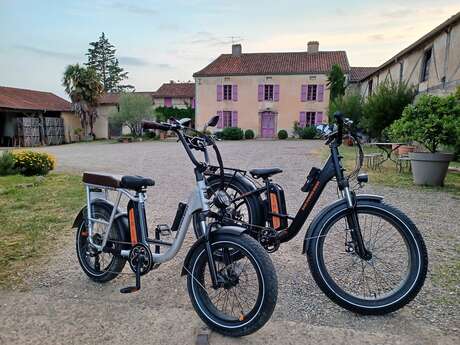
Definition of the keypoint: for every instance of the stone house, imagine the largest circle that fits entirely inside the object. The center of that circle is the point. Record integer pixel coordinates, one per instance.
(172, 94)
(431, 64)
(267, 92)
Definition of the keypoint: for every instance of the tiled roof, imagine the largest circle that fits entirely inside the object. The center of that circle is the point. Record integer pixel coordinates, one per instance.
(13, 98)
(453, 20)
(359, 73)
(182, 90)
(114, 97)
(275, 63)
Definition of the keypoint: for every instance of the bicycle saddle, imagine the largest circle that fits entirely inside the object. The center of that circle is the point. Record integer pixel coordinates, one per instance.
(117, 181)
(264, 172)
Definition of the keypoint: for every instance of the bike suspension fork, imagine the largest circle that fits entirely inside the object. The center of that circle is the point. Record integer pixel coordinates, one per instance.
(211, 262)
(354, 226)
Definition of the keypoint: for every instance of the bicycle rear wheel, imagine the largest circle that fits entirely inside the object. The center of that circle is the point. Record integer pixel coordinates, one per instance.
(386, 282)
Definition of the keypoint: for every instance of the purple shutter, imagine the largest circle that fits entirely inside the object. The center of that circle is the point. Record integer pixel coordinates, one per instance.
(276, 92)
(168, 102)
(260, 94)
(303, 119)
(234, 93)
(303, 93)
(319, 118)
(193, 103)
(220, 92)
(320, 93)
(220, 123)
(234, 119)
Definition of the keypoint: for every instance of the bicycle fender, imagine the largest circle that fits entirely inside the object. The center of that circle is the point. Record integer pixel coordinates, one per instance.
(335, 205)
(229, 230)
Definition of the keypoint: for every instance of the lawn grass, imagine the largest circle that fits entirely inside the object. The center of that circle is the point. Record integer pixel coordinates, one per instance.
(34, 212)
(389, 176)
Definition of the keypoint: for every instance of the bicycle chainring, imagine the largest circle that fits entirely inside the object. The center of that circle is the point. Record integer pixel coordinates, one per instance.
(140, 252)
(269, 239)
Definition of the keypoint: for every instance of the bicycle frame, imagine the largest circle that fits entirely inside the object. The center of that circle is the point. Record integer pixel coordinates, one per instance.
(197, 202)
(332, 168)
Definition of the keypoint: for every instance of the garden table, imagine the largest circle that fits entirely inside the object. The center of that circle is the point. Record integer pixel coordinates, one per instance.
(387, 150)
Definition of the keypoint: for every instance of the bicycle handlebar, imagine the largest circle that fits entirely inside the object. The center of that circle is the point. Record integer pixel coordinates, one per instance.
(176, 127)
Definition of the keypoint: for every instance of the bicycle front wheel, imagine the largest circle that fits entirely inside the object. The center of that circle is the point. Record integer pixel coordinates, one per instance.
(246, 297)
(385, 282)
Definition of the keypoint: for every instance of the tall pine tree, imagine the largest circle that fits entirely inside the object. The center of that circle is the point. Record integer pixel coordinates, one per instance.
(101, 58)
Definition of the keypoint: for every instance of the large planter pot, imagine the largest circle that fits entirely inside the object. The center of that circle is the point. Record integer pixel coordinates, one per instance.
(430, 168)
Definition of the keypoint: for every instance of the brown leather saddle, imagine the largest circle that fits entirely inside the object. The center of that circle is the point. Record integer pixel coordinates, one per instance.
(118, 181)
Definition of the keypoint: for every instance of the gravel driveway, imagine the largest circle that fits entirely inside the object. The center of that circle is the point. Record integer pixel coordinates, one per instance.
(60, 305)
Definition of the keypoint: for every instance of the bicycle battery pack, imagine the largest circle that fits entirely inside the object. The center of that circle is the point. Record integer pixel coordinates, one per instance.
(135, 228)
(277, 206)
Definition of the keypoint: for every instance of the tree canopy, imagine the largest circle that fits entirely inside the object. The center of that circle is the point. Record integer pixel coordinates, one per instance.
(84, 89)
(336, 82)
(102, 59)
(133, 108)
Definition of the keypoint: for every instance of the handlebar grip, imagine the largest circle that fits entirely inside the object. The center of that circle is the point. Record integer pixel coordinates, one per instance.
(155, 125)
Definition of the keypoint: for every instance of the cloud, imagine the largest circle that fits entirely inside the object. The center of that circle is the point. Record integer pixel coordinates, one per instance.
(136, 9)
(132, 61)
(209, 39)
(163, 65)
(45, 52)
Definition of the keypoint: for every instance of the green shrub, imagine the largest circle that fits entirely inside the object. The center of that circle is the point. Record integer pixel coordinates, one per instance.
(351, 105)
(432, 121)
(219, 135)
(249, 134)
(385, 106)
(304, 132)
(232, 133)
(7, 164)
(149, 135)
(282, 134)
(308, 133)
(33, 163)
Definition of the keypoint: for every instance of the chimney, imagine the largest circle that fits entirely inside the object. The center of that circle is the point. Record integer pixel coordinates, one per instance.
(236, 49)
(313, 47)
(171, 81)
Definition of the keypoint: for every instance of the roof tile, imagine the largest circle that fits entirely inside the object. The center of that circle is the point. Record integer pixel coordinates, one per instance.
(275, 63)
(182, 90)
(14, 98)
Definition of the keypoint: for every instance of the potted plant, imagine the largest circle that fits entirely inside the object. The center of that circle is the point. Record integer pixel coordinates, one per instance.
(433, 122)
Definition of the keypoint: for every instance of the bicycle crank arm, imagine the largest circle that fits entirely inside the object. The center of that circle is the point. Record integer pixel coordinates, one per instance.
(130, 289)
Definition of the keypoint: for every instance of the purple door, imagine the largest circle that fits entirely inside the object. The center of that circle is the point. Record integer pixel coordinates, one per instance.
(268, 124)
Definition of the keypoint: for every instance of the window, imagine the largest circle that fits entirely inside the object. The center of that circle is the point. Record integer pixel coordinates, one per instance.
(426, 65)
(268, 92)
(168, 102)
(311, 92)
(401, 70)
(227, 119)
(227, 92)
(369, 87)
(310, 118)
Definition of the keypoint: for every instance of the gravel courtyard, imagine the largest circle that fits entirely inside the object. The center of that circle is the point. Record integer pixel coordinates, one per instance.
(60, 305)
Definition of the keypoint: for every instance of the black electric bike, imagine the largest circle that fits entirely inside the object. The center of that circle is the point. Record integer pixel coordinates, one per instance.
(234, 295)
(364, 254)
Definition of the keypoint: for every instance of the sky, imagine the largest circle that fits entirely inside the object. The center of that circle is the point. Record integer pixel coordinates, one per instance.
(159, 41)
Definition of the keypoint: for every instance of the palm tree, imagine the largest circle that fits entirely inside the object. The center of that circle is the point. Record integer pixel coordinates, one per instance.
(84, 89)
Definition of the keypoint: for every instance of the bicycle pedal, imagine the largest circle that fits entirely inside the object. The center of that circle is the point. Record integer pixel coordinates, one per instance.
(164, 229)
(129, 289)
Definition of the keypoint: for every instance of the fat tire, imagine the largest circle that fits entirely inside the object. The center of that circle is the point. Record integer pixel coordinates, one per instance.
(255, 206)
(410, 230)
(118, 233)
(269, 277)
